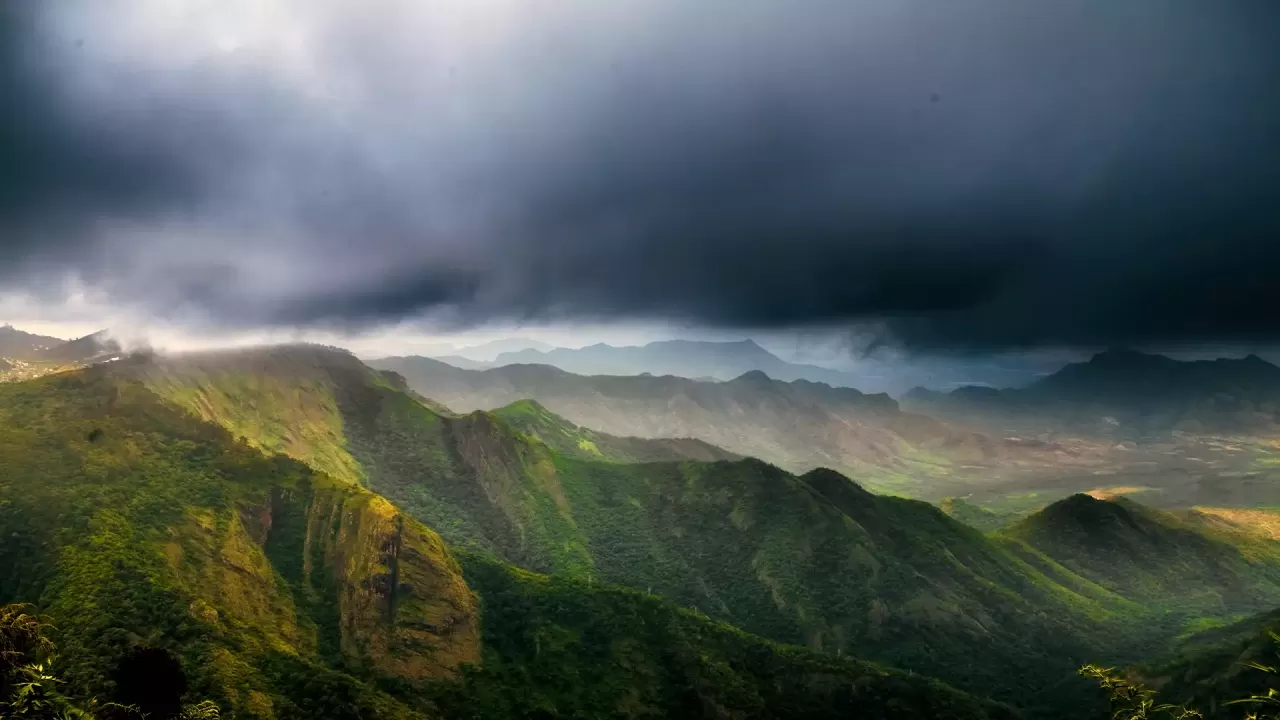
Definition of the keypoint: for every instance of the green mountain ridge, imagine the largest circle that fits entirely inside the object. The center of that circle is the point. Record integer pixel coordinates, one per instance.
(810, 559)
(975, 516)
(532, 419)
(287, 592)
(796, 425)
(1184, 561)
(135, 524)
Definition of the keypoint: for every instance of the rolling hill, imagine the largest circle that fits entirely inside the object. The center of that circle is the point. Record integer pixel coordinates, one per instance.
(532, 419)
(1186, 563)
(797, 425)
(286, 591)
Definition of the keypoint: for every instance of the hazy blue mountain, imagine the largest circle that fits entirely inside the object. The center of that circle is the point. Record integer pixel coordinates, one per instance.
(465, 363)
(683, 358)
(480, 355)
(797, 425)
(1126, 392)
(728, 360)
(491, 350)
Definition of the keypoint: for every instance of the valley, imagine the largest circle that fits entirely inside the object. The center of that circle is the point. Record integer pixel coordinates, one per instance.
(929, 446)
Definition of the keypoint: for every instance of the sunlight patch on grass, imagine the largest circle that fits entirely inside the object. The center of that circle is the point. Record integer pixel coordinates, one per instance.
(1113, 492)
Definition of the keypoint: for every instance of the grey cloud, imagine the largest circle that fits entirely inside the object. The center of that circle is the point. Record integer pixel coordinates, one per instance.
(985, 175)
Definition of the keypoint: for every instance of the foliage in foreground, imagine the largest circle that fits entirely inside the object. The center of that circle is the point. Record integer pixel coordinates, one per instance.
(1132, 700)
(30, 690)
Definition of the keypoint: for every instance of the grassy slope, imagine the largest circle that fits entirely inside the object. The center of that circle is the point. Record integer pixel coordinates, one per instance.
(1187, 564)
(290, 594)
(589, 651)
(1211, 668)
(975, 516)
(532, 419)
(133, 523)
(794, 559)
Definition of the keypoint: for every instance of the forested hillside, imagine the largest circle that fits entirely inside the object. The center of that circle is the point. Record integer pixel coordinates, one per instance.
(285, 592)
(810, 559)
(243, 492)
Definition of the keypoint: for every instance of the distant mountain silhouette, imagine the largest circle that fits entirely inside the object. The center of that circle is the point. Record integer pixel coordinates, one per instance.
(684, 358)
(798, 425)
(719, 360)
(489, 351)
(1122, 387)
(81, 350)
(463, 362)
(20, 345)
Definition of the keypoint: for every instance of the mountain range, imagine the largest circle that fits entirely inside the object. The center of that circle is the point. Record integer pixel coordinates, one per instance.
(1126, 393)
(701, 359)
(137, 520)
(744, 542)
(308, 535)
(798, 425)
(485, 353)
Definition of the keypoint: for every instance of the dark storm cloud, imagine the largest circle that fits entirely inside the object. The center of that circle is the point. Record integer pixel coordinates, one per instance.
(979, 175)
(60, 169)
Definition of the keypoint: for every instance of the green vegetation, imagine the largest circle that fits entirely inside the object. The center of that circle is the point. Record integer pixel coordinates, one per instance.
(135, 525)
(797, 426)
(975, 516)
(535, 421)
(560, 648)
(1185, 564)
(811, 560)
(29, 690)
(1213, 668)
(1130, 699)
(280, 591)
(221, 507)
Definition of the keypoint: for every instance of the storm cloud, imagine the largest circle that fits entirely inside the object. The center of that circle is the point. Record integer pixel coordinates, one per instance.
(987, 175)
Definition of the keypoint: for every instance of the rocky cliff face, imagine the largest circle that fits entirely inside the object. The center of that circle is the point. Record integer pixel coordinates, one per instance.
(403, 605)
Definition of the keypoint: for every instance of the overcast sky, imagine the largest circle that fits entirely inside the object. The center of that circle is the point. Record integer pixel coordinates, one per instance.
(976, 176)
